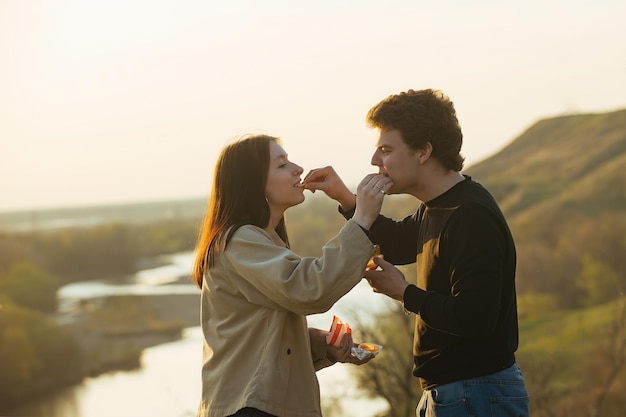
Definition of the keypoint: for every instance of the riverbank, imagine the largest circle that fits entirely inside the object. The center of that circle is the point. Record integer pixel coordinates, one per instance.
(114, 331)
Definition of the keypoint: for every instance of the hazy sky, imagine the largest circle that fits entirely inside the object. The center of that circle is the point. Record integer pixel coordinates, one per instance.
(131, 100)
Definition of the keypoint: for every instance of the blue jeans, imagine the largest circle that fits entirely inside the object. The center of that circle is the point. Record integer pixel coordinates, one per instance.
(502, 394)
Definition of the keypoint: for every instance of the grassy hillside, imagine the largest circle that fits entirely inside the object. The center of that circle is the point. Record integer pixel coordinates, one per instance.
(575, 163)
(575, 360)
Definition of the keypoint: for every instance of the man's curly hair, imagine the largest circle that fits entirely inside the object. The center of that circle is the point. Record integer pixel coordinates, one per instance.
(422, 116)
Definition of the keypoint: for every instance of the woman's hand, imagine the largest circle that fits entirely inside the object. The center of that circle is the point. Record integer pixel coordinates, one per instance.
(327, 180)
(343, 353)
(369, 198)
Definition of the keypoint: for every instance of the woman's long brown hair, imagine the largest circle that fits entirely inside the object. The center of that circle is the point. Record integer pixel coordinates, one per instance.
(237, 198)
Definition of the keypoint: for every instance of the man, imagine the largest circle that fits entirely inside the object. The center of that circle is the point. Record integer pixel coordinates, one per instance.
(466, 330)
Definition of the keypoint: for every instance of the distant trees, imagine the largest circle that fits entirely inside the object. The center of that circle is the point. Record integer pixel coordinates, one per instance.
(582, 265)
(104, 251)
(390, 375)
(574, 362)
(31, 287)
(312, 224)
(613, 362)
(598, 282)
(84, 253)
(36, 355)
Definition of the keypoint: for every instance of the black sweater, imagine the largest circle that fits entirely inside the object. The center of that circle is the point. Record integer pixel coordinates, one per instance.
(466, 323)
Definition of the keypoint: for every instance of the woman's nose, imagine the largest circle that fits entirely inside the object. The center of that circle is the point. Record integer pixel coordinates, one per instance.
(299, 170)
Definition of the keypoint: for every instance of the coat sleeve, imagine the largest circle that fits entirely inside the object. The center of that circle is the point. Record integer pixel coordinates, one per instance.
(319, 351)
(275, 277)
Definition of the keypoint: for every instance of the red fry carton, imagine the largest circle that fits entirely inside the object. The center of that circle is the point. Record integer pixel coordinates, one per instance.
(336, 332)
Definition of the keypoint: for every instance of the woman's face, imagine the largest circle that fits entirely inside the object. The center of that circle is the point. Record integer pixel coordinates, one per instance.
(283, 176)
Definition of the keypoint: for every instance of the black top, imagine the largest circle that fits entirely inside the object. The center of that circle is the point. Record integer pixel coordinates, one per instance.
(466, 323)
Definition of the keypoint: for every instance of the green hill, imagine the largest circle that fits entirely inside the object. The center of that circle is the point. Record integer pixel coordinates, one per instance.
(574, 360)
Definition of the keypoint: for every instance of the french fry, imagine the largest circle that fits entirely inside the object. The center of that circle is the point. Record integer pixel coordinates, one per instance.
(371, 264)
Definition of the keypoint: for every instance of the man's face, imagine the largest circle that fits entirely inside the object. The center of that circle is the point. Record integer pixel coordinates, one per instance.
(395, 159)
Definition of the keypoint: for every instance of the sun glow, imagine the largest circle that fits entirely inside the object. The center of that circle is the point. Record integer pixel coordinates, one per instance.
(131, 100)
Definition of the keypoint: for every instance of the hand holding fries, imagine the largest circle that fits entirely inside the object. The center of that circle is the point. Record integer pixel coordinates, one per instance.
(371, 265)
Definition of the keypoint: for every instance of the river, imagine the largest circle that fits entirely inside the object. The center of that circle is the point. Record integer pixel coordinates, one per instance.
(168, 382)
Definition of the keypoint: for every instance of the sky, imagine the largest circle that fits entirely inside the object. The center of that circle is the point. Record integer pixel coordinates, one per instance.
(107, 102)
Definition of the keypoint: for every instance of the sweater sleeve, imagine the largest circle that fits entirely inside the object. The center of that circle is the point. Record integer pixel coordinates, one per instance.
(393, 236)
(413, 298)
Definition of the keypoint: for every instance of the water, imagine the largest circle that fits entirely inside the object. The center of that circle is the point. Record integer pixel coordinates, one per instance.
(167, 385)
(168, 382)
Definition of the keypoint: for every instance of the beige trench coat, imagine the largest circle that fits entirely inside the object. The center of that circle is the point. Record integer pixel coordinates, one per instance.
(257, 348)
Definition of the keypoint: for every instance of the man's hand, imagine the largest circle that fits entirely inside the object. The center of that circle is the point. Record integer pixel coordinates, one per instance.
(387, 280)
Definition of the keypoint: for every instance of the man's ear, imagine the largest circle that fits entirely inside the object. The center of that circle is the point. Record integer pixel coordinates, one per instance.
(424, 153)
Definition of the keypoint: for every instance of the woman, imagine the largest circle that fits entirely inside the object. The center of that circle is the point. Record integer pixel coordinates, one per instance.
(259, 357)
